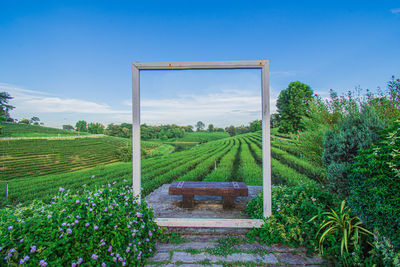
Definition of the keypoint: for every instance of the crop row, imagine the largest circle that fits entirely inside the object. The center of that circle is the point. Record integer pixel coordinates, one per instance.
(225, 167)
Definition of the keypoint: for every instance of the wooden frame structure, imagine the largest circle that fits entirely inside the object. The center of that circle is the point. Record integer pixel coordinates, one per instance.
(266, 142)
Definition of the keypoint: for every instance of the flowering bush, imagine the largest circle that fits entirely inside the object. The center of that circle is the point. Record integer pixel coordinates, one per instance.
(292, 208)
(105, 227)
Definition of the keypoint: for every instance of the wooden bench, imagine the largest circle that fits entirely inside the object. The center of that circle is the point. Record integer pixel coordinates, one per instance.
(228, 191)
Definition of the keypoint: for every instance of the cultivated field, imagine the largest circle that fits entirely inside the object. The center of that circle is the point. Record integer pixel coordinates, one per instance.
(25, 130)
(230, 159)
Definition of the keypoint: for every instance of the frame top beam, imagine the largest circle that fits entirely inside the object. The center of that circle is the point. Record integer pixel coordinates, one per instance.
(248, 64)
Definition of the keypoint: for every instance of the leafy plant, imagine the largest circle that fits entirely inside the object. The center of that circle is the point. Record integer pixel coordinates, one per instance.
(106, 226)
(349, 228)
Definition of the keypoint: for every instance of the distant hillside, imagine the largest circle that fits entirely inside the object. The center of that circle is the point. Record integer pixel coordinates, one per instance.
(25, 130)
(34, 157)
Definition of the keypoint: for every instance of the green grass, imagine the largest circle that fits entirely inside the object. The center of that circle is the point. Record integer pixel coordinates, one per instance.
(25, 130)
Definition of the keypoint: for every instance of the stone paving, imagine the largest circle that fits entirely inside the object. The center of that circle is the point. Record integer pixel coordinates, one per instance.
(200, 251)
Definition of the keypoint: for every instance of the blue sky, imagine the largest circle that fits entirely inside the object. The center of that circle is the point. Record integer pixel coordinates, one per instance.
(64, 61)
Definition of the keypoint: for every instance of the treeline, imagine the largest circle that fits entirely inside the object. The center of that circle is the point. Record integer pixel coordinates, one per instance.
(162, 132)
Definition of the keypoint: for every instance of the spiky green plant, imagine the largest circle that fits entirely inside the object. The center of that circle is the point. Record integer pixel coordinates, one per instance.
(342, 223)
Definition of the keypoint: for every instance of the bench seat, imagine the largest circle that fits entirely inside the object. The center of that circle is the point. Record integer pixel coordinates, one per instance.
(228, 190)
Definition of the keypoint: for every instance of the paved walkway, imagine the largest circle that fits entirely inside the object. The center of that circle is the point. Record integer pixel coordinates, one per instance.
(228, 251)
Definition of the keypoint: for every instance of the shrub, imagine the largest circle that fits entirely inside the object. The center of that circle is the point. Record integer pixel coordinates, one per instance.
(344, 228)
(375, 187)
(293, 207)
(357, 131)
(103, 227)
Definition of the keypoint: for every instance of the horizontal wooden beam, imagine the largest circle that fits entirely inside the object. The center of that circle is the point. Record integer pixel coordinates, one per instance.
(248, 64)
(197, 222)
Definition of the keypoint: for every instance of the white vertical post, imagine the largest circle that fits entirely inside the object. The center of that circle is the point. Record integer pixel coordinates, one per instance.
(266, 141)
(136, 132)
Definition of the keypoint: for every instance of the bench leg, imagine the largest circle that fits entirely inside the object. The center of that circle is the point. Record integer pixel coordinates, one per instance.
(228, 202)
(188, 201)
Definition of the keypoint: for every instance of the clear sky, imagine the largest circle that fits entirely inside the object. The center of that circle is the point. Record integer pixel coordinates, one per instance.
(70, 60)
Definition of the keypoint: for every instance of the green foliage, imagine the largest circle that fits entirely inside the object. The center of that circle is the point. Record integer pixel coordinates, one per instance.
(123, 130)
(292, 105)
(357, 131)
(293, 207)
(200, 126)
(95, 128)
(375, 187)
(68, 127)
(25, 121)
(342, 227)
(211, 128)
(198, 136)
(81, 126)
(255, 126)
(231, 130)
(4, 106)
(90, 227)
(162, 132)
(124, 153)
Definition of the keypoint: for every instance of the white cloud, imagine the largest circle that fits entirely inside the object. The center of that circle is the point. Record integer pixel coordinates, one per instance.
(395, 10)
(222, 109)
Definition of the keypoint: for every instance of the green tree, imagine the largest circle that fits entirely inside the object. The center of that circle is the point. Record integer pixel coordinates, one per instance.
(81, 126)
(231, 130)
(200, 126)
(188, 128)
(292, 105)
(68, 127)
(4, 106)
(255, 126)
(25, 121)
(95, 128)
(357, 131)
(211, 128)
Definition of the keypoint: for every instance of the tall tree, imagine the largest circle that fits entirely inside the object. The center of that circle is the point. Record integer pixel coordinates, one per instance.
(211, 128)
(292, 105)
(231, 130)
(95, 128)
(200, 126)
(81, 126)
(255, 126)
(4, 106)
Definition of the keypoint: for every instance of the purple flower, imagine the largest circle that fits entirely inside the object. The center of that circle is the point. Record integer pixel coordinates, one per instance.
(128, 249)
(80, 260)
(110, 214)
(10, 227)
(279, 209)
(1, 248)
(94, 256)
(48, 216)
(21, 261)
(150, 233)
(90, 209)
(114, 258)
(87, 224)
(69, 231)
(109, 248)
(42, 263)
(96, 227)
(26, 258)
(61, 236)
(73, 264)
(139, 215)
(76, 221)
(62, 189)
(123, 264)
(103, 264)
(77, 201)
(22, 240)
(106, 209)
(33, 249)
